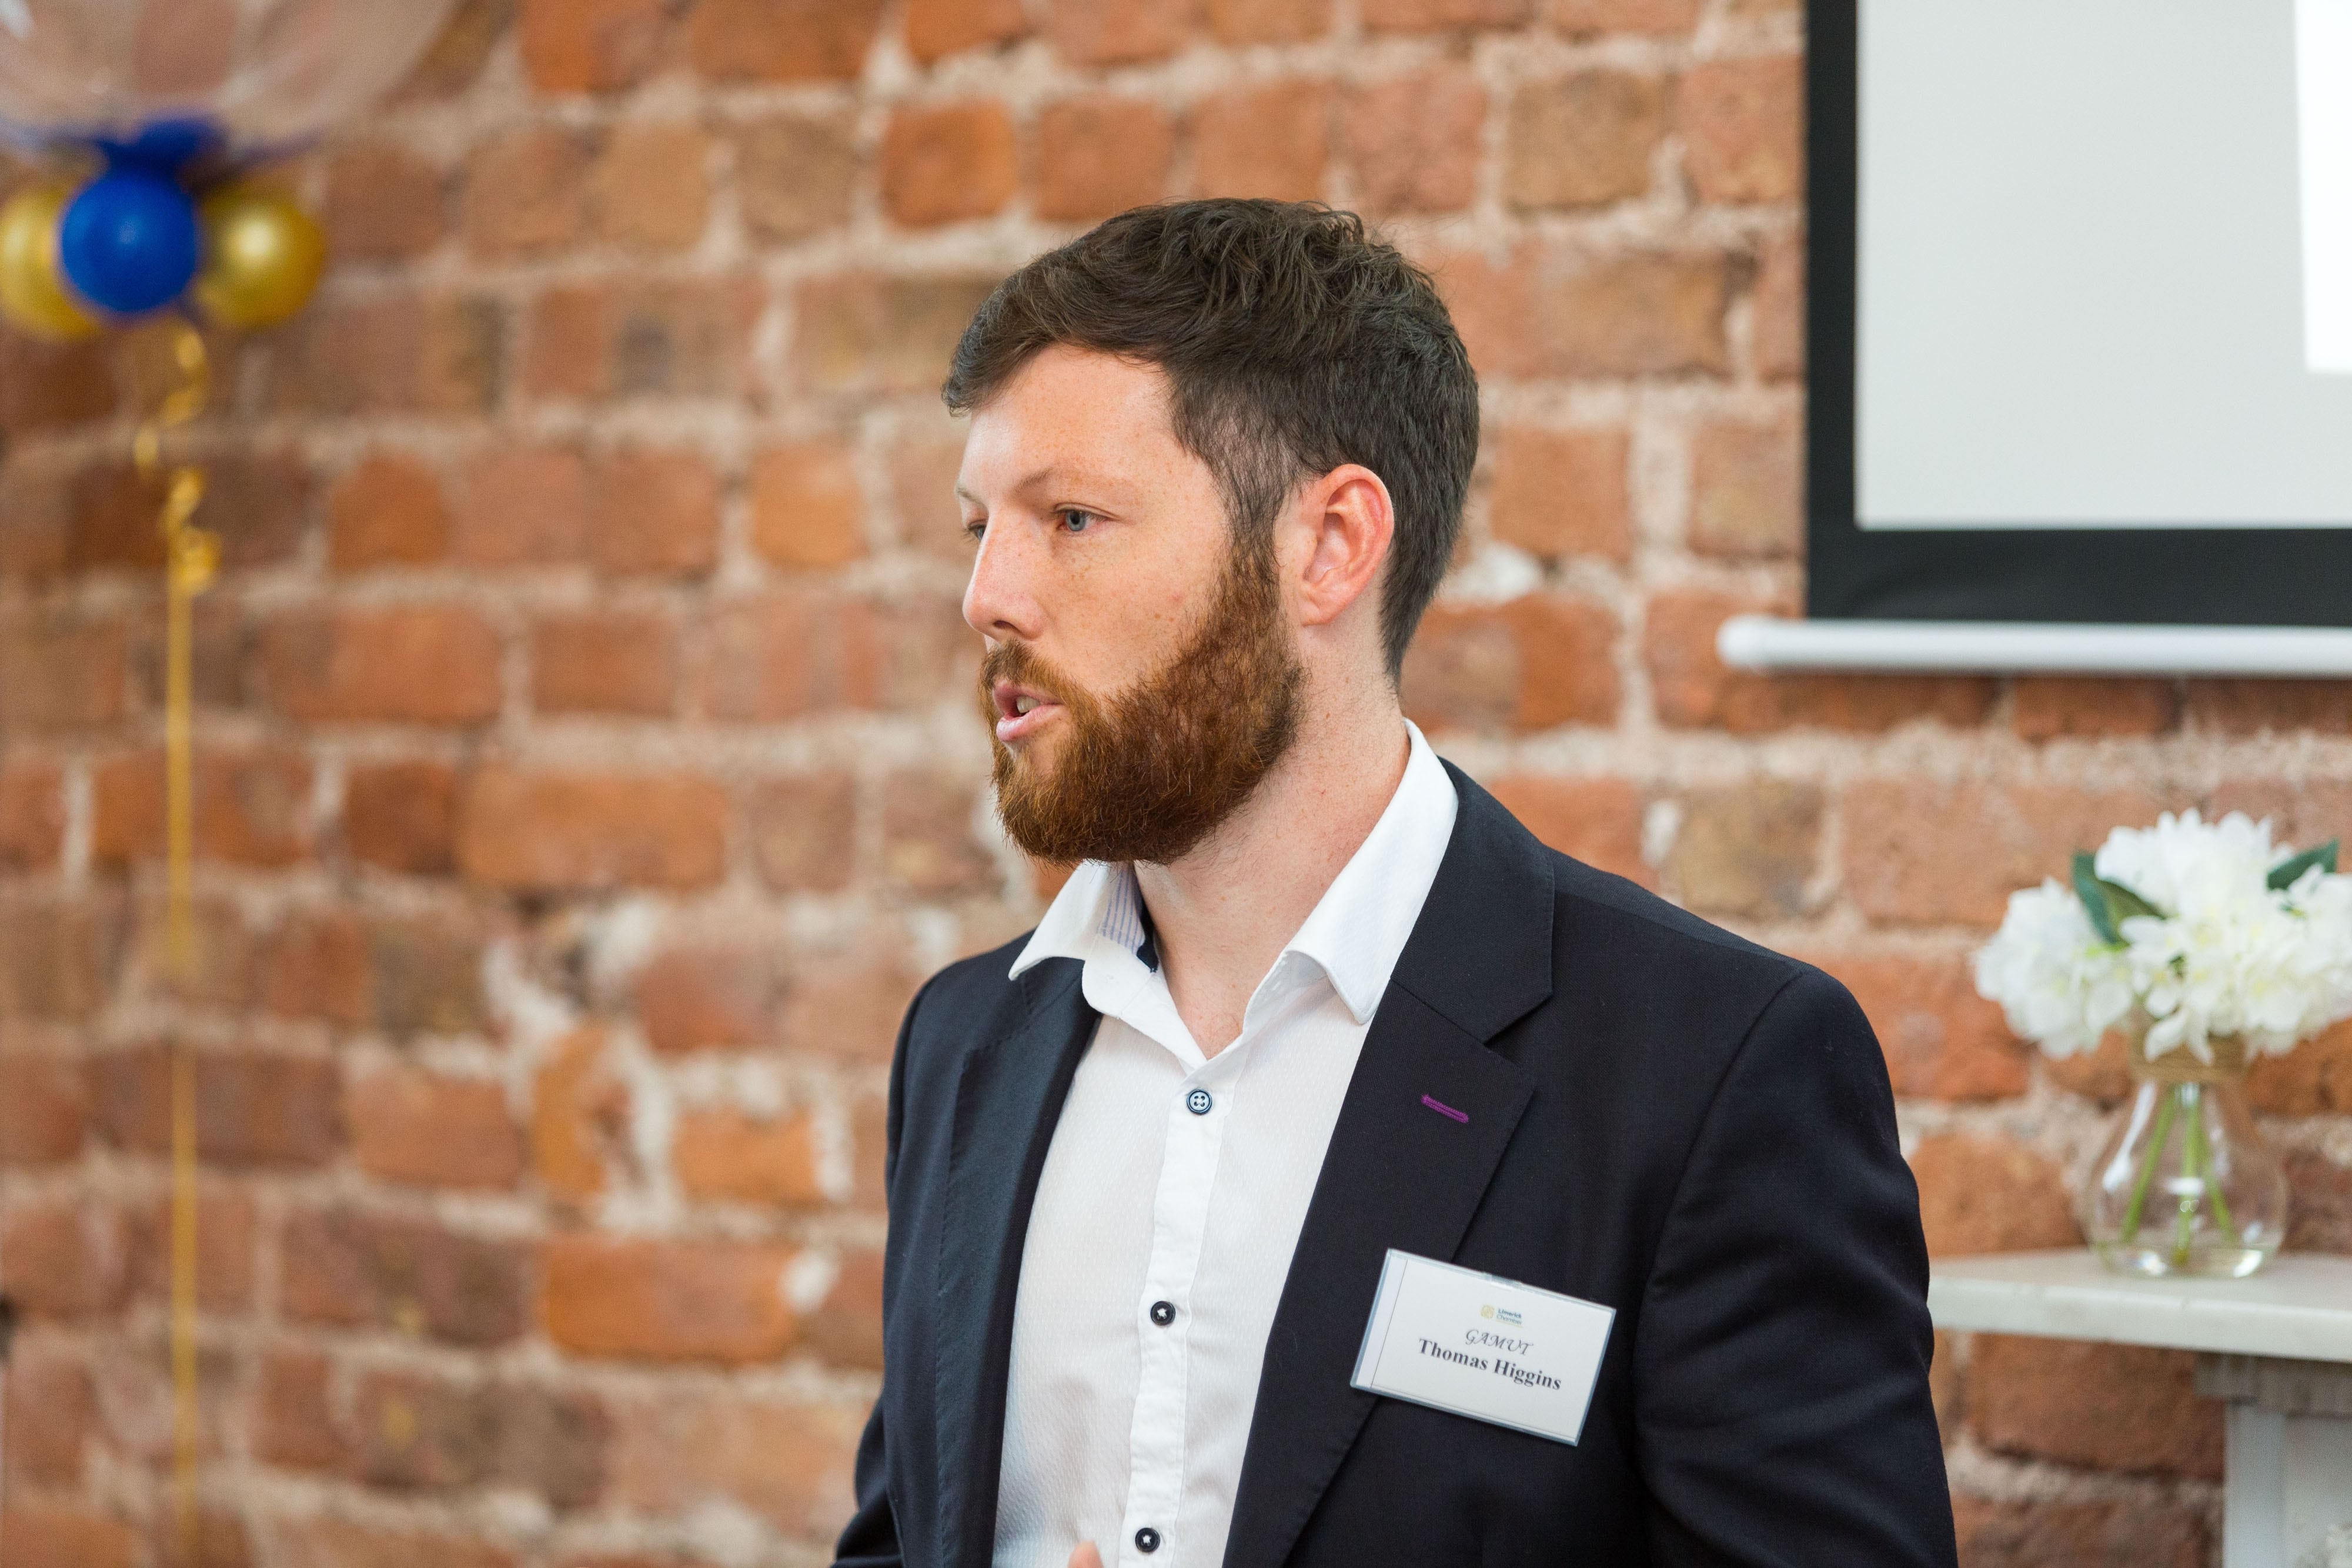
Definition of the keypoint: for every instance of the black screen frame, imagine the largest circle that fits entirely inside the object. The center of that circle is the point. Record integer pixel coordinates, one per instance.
(2200, 576)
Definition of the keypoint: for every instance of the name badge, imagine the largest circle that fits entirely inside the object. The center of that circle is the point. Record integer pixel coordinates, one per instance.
(1483, 1346)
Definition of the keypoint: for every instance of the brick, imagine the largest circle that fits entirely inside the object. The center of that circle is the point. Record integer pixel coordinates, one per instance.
(1779, 315)
(1271, 142)
(592, 46)
(345, 1267)
(36, 518)
(938, 28)
(870, 1152)
(2319, 1205)
(420, 1128)
(59, 958)
(1117, 32)
(1640, 314)
(1748, 849)
(1269, 21)
(2116, 1534)
(1990, 1195)
(415, 663)
(2255, 707)
(2044, 707)
(781, 40)
(1436, 15)
(390, 354)
(654, 338)
(252, 1109)
(293, 1425)
(1919, 853)
(66, 1259)
(402, 816)
(316, 966)
(923, 470)
(652, 1300)
(427, 972)
(1596, 821)
(1562, 494)
(577, 1106)
(2102, 1076)
(221, 1541)
(610, 662)
(650, 188)
(1694, 689)
(804, 832)
(423, 1433)
(387, 510)
(867, 334)
(927, 846)
(1414, 141)
(794, 173)
(526, 194)
(266, 494)
(786, 1463)
(383, 203)
(1101, 154)
(44, 1109)
(724, 1154)
(52, 386)
(848, 1004)
(1742, 124)
(846, 1327)
(453, 61)
(1585, 19)
(781, 654)
(251, 808)
(945, 162)
(807, 509)
(50, 1413)
(1531, 663)
(1747, 492)
(61, 1535)
(60, 673)
(2315, 1079)
(32, 815)
(222, 646)
(228, 1233)
(323, 1541)
(1942, 1040)
(582, 830)
(223, 970)
(691, 998)
(2110, 1406)
(518, 505)
(1583, 141)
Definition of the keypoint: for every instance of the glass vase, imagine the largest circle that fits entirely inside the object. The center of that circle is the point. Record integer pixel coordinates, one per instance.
(2187, 1186)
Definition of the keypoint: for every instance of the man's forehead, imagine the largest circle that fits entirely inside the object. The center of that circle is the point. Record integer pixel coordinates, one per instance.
(1070, 416)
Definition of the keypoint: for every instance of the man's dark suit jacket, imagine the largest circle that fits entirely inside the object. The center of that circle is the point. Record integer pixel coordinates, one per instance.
(1663, 1118)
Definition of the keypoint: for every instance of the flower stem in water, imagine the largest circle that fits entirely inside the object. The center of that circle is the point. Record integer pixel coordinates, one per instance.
(2139, 1204)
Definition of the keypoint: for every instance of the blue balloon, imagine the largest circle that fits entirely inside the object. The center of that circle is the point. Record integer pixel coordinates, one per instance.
(129, 241)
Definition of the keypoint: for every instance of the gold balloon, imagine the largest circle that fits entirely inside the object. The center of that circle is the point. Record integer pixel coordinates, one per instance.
(32, 293)
(263, 254)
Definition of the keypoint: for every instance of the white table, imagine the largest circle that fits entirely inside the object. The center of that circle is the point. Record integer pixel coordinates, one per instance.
(2277, 1346)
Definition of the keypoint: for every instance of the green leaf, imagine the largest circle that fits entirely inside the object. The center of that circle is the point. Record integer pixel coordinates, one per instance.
(2284, 874)
(2109, 903)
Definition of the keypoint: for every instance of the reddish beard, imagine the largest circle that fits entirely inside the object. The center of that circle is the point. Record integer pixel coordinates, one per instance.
(1149, 773)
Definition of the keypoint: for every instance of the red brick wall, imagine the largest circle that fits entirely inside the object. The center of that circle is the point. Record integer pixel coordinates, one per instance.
(587, 773)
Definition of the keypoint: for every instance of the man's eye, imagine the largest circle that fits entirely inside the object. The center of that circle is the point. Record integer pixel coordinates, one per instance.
(1076, 521)
(973, 529)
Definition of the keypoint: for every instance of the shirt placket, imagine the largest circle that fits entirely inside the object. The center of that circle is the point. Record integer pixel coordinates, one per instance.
(1179, 1221)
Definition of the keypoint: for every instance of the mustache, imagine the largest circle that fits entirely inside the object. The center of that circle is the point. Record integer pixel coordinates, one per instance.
(1021, 664)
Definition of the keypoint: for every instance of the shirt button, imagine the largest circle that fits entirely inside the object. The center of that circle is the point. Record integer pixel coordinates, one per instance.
(1198, 1102)
(1163, 1313)
(1147, 1540)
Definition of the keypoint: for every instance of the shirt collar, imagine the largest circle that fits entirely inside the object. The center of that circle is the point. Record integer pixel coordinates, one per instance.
(1356, 931)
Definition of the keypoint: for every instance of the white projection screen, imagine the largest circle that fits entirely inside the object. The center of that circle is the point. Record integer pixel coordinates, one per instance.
(2081, 313)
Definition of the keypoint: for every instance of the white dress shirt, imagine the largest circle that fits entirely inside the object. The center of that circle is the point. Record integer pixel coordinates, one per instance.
(1174, 1190)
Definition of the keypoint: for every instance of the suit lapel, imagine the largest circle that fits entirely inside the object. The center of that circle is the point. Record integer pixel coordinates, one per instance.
(1007, 1102)
(1399, 1172)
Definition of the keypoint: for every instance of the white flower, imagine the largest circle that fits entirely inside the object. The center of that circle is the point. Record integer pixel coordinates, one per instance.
(2226, 954)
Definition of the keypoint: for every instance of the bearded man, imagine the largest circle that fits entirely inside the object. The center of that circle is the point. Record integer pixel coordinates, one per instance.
(1336, 1176)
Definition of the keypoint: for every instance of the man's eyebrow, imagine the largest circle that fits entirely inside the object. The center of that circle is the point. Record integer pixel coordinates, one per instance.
(1046, 478)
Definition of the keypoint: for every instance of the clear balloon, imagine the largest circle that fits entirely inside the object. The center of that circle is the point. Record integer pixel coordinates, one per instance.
(258, 75)
(33, 295)
(263, 254)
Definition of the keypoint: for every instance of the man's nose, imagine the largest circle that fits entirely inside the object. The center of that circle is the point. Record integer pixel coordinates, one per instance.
(1001, 601)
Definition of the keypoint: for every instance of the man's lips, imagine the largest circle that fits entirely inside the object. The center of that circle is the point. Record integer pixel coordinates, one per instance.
(1021, 711)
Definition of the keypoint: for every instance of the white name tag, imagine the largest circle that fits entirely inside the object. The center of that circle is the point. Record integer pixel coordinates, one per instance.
(1483, 1346)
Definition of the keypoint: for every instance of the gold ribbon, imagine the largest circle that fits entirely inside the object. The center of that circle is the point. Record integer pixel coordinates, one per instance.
(190, 557)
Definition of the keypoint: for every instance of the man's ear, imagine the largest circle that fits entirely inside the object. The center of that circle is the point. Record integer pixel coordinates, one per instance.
(1351, 522)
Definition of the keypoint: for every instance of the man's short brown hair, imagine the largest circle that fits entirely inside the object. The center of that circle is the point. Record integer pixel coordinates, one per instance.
(1293, 342)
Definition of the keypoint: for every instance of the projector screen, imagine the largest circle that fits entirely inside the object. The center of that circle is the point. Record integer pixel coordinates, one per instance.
(2081, 313)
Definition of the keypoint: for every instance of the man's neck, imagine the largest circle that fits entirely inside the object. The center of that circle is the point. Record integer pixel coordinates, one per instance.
(1222, 913)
